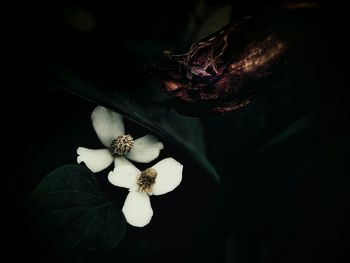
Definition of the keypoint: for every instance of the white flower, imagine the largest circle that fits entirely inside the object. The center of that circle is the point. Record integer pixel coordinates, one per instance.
(160, 179)
(109, 127)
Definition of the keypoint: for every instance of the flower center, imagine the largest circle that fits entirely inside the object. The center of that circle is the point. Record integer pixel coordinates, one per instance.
(146, 180)
(122, 145)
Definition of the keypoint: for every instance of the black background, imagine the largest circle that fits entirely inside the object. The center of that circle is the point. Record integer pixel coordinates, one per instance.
(283, 159)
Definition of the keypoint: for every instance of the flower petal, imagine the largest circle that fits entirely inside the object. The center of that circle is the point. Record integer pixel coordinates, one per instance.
(145, 150)
(137, 209)
(107, 124)
(124, 174)
(169, 176)
(95, 160)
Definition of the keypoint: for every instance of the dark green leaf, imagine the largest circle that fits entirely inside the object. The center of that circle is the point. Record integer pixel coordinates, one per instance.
(69, 206)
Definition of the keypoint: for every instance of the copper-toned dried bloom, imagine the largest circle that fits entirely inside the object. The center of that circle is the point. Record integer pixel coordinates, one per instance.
(146, 180)
(122, 145)
(217, 74)
(258, 56)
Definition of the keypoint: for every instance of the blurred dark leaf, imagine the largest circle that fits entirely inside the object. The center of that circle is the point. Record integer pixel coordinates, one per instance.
(69, 206)
(294, 128)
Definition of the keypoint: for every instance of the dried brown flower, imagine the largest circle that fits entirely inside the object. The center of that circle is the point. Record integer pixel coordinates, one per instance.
(220, 73)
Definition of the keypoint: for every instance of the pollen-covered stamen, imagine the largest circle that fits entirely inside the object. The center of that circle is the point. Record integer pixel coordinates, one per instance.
(146, 180)
(122, 145)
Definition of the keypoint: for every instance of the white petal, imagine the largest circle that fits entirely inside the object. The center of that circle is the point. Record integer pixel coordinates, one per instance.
(107, 124)
(124, 174)
(137, 209)
(169, 176)
(95, 160)
(145, 150)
